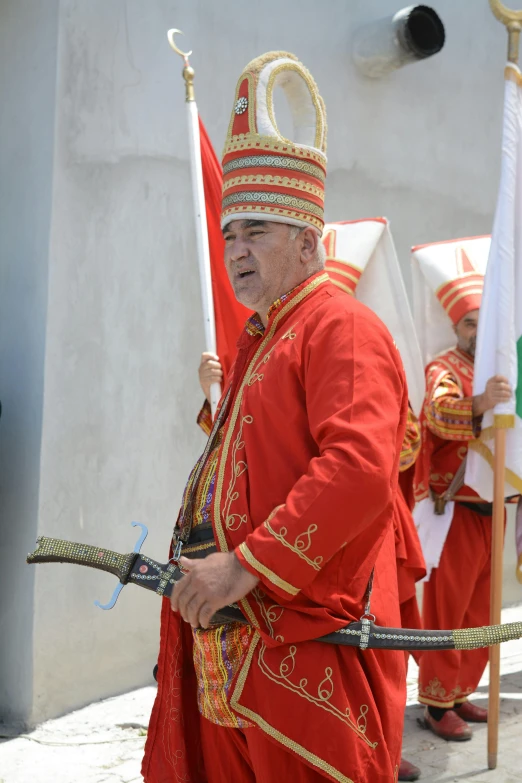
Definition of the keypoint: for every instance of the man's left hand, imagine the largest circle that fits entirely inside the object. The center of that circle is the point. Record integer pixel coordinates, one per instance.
(209, 585)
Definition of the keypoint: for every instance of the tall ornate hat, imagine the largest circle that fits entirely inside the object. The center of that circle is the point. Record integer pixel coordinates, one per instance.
(265, 176)
(361, 260)
(448, 280)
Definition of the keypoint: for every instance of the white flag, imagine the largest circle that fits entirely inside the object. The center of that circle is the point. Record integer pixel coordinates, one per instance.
(499, 342)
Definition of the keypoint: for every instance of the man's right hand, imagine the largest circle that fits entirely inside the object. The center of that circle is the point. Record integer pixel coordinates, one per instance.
(497, 390)
(209, 372)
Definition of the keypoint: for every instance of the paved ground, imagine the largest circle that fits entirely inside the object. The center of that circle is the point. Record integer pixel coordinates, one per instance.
(452, 762)
(103, 743)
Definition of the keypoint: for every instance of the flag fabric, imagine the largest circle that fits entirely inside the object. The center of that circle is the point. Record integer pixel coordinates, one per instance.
(229, 314)
(499, 340)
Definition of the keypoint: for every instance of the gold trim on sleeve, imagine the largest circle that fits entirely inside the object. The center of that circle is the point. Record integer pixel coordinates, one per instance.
(262, 569)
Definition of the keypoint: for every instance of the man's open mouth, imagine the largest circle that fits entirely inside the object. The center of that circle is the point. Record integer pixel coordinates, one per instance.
(245, 273)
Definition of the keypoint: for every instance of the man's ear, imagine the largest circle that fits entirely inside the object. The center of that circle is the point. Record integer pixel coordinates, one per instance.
(309, 243)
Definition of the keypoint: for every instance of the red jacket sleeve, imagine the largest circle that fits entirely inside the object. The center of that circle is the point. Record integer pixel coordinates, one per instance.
(356, 404)
(205, 418)
(449, 414)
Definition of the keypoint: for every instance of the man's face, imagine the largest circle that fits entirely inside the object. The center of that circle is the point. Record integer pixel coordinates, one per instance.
(466, 331)
(263, 261)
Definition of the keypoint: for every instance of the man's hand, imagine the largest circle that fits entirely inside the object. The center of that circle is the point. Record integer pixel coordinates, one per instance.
(210, 372)
(209, 585)
(497, 390)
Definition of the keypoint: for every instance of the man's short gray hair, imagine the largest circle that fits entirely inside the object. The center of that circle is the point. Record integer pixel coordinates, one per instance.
(295, 231)
(320, 256)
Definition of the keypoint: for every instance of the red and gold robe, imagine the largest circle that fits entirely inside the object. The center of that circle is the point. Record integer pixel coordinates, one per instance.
(306, 497)
(410, 560)
(457, 594)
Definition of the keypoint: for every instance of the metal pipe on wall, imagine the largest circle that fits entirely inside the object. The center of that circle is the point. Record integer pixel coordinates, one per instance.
(412, 34)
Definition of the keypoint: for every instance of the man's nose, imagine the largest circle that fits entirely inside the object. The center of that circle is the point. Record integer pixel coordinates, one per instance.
(237, 250)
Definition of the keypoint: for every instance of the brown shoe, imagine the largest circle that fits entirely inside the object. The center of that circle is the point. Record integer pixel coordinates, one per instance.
(450, 727)
(469, 711)
(408, 771)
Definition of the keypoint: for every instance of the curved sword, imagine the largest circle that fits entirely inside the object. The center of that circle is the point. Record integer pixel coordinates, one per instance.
(161, 578)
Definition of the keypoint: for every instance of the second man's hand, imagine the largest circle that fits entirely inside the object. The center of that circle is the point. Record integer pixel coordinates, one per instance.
(209, 585)
(210, 371)
(497, 390)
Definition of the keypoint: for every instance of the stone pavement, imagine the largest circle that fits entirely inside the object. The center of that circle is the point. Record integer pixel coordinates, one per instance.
(103, 743)
(452, 762)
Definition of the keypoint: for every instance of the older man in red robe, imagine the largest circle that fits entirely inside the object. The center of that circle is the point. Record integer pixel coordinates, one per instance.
(290, 510)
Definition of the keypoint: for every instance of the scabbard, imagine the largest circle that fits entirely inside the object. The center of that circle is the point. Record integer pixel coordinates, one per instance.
(160, 578)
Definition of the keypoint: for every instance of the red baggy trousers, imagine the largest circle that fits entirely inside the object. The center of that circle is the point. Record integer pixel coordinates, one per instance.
(457, 596)
(248, 756)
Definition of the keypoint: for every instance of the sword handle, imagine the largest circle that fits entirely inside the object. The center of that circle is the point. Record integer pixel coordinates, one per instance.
(55, 550)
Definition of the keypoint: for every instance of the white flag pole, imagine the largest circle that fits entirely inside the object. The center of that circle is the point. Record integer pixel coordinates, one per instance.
(200, 215)
(513, 22)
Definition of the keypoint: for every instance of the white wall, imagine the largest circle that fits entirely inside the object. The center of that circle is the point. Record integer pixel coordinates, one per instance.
(28, 32)
(421, 146)
(103, 207)
(124, 335)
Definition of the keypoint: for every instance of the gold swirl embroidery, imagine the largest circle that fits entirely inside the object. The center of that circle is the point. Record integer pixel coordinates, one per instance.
(325, 690)
(271, 614)
(274, 613)
(301, 544)
(290, 334)
(362, 721)
(287, 665)
(437, 477)
(234, 521)
(326, 686)
(461, 452)
(435, 690)
(282, 739)
(258, 376)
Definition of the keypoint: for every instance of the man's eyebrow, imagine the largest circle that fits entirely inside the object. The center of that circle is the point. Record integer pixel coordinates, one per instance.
(247, 224)
(254, 224)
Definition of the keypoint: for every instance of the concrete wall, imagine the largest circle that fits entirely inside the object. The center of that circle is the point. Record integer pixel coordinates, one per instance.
(124, 335)
(101, 320)
(421, 146)
(28, 33)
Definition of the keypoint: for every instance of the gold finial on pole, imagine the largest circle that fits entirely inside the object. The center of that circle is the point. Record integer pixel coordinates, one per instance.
(513, 22)
(188, 70)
